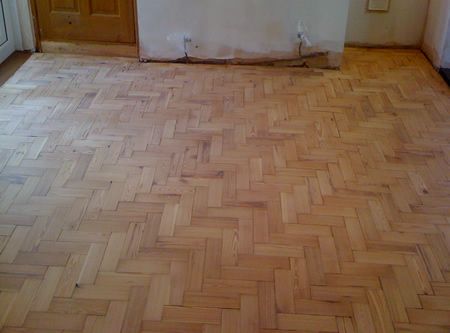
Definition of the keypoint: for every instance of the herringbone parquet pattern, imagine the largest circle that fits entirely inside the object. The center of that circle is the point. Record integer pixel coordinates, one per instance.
(209, 199)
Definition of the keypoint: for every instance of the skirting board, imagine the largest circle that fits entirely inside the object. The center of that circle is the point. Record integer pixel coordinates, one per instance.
(113, 50)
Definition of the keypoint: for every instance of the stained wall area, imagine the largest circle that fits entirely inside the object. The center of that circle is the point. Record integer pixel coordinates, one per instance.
(240, 29)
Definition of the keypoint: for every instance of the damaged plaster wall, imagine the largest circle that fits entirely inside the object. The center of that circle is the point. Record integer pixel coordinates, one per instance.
(402, 25)
(240, 29)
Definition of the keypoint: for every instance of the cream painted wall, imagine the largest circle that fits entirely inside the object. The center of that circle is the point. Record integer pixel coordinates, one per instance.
(402, 25)
(436, 43)
(238, 28)
(23, 26)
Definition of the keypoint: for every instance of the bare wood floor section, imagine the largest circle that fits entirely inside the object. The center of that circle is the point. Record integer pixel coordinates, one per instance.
(208, 199)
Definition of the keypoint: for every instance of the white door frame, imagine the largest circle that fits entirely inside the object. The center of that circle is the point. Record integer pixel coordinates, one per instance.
(19, 28)
(8, 46)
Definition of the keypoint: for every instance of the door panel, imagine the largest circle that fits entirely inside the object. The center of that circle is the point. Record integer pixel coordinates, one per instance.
(105, 7)
(61, 6)
(86, 20)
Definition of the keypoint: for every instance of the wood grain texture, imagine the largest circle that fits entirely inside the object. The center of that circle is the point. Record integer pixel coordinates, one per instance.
(175, 198)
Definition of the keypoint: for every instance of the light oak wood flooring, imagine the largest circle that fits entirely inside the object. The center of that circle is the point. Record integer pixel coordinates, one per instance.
(217, 199)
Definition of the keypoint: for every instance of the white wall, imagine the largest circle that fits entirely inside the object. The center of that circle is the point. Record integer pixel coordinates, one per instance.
(23, 26)
(225, 29)
(446, 56)
(402, 25)
(436, 42)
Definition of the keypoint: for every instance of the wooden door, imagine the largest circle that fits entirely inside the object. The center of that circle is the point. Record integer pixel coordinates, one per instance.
(104, 21)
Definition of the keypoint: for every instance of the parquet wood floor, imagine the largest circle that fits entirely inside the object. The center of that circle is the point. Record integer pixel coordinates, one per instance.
(210, 199)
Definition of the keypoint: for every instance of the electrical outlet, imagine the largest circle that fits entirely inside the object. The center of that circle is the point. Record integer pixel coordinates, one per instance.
(302, 33)
(180, 39)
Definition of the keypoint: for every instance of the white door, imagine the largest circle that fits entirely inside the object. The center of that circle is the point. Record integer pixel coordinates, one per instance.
(7, 44)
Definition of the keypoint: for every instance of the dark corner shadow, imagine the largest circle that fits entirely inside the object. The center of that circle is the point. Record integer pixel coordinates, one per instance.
(445, 73)
(12, 64)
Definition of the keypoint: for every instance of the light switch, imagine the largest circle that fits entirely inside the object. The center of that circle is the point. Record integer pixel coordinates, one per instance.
(379, 5)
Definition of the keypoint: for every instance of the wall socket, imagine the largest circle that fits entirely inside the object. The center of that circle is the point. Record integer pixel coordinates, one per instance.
(302, 33)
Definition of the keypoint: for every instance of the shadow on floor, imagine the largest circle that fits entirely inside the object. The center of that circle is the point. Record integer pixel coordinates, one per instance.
(12, 64)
